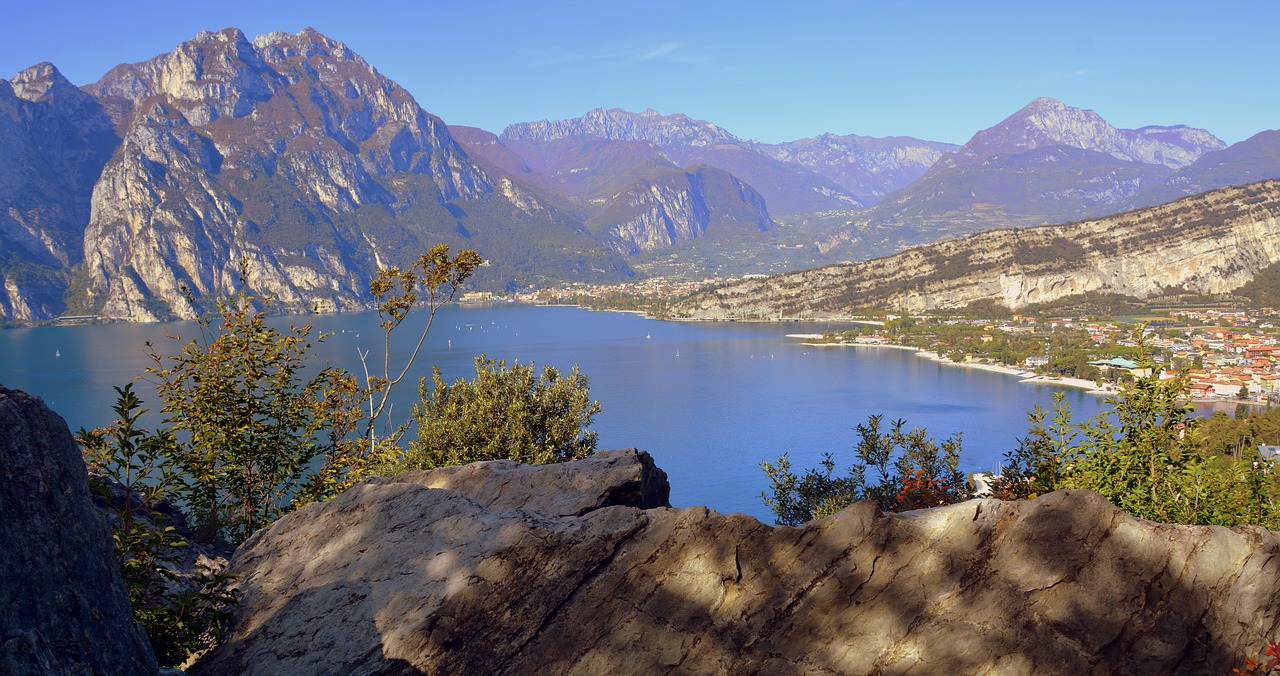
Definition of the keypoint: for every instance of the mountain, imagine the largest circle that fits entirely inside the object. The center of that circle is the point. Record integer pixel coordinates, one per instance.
(1046, 163)
(292, 153)
(1253, 159)
(788, 188)
(1047, 122)
(1205, 244)
(681, 206)
(54, 141)
(868, 167)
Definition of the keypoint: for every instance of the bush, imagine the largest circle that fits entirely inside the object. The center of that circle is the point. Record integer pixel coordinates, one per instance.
(513, 413)
(912, 471)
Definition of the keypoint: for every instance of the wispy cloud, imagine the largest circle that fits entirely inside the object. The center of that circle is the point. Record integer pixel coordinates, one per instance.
(623, 54)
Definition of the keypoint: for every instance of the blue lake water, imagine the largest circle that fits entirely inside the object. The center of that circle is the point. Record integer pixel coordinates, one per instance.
(708, 400)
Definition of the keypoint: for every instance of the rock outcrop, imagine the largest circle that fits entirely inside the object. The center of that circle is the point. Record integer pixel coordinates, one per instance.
(1205, 244)
(497, 568)
(65, 610)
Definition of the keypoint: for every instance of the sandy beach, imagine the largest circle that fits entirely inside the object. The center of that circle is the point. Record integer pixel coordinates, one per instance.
(1022, 374)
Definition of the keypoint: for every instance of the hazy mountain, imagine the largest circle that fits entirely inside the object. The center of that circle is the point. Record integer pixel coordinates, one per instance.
(54, 141)
(867, 167)
(678, 207)
(1046, 163)
(788, 188)
(1253, 159)
(1047, 122)
(1205, 244)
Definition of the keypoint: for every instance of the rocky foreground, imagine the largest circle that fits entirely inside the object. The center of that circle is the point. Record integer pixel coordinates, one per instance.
(502, 568)
(582, 568)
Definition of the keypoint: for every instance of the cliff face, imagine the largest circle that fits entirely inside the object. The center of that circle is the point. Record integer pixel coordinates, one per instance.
(223, 140)
(289, 152)
(506, 569)
(1210, 243)
(678, 208)
(54, 141)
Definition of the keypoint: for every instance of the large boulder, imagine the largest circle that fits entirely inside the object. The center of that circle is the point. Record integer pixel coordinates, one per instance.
(503, 572)
(65, 609)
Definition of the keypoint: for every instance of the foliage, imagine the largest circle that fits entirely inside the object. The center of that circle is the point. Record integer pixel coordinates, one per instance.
(179, 619)
(251, 427)
(515, 413)
(1148, 455)
(911, 471)
(1035, 467)
(1271, 665)
(437, 278)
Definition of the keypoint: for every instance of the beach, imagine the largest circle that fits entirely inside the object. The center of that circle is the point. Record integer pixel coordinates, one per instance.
(1079, 383)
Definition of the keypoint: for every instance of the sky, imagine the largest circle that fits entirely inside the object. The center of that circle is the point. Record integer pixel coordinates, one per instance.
(774, 71)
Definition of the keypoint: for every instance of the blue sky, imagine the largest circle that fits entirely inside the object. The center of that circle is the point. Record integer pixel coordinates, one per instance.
(774, 71)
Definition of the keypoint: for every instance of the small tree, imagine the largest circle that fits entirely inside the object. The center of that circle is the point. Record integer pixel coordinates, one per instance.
(134, 473)
(911, 471)
(435, 276)
(1035, 467)
(249, 426)
(514, 413)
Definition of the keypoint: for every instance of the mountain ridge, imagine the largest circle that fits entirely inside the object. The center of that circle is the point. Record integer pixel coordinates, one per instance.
(1210, 243)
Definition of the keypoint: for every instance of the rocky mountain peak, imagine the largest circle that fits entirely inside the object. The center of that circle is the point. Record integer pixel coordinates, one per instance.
(39, 82)
(1048, 122)
(305, 44)
(621, 125)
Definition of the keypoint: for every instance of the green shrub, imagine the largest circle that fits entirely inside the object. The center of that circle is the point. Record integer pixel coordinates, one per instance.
(514, 413)
(911, 471)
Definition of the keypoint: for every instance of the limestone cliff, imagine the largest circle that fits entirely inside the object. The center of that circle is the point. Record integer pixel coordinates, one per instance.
(679, 207)
(214, 132)
(503, 569)
(1207, 244)
(293, 153)
(54, 141)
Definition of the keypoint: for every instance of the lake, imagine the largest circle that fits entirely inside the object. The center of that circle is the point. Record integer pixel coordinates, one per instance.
(709, 401)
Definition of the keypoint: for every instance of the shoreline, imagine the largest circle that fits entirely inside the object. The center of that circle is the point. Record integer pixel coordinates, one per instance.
(1024, 376)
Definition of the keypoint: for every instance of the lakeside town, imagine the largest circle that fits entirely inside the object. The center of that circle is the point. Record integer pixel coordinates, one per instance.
(1226, 353)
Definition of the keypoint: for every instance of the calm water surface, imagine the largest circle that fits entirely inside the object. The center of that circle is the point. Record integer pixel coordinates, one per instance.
(708, 400)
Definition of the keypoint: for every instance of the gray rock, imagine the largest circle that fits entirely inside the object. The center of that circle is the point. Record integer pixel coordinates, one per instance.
(65, 607)
(399, 577)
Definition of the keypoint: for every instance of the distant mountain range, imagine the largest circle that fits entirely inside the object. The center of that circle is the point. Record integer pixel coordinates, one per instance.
(293, 153)
(1212, 243)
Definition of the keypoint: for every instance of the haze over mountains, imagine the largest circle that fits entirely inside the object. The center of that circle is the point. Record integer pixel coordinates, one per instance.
(293, 153)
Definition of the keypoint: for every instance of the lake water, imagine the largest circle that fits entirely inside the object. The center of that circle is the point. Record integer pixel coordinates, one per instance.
(708, 400)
